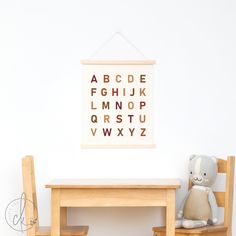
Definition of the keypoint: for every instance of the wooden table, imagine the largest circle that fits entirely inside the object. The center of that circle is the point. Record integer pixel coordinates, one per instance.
(112, 193)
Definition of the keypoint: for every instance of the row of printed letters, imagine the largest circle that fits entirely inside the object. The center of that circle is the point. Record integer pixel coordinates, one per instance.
(120, 131)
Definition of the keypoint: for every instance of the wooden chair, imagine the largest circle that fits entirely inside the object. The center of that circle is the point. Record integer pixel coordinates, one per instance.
(31, 212)
(224, 199)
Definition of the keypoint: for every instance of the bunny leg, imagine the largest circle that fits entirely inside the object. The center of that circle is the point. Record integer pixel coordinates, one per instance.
(179, 223)
(190, 224)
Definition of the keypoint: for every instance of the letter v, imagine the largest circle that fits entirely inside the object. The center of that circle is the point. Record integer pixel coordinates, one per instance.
(94, 131)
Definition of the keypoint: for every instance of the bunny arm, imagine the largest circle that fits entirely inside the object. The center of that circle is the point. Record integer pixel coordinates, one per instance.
(213, 205)
(181, 209)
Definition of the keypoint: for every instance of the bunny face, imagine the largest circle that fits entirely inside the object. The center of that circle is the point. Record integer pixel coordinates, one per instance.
(202, 170)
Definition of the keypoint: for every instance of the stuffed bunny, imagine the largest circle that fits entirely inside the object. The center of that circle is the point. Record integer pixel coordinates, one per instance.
(199, 207)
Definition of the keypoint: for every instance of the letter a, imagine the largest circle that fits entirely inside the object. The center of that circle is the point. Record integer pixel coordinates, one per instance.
(94, 79)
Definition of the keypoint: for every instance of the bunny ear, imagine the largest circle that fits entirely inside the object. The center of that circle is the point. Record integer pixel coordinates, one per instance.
(192, 157)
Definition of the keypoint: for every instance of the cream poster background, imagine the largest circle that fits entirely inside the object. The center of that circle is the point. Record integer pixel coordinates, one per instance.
(118, 103)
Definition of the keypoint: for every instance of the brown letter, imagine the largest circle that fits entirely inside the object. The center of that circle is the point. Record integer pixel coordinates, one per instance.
(130, 118)
(119, 105)
(131, 131)
(119, 118)
(94, 119)
(106, 78)
(142, 133)
(107, 131)
(92, 107)
(94, 79)
(93, 90)
(133, 92)
(104, 91)
(142, 104)
(106, 105)
(120, 132)
(142, 78)
(114, 91)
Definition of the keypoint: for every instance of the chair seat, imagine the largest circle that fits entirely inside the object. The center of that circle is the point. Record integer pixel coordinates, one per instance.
(65, 231)
(208, 230)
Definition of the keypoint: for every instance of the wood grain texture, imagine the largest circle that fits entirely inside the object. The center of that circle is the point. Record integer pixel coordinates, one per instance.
(114, 183)
(30, 192)
(207, 229)
(88, 146)
(112, 197)
(118, 62)
(113, 193)
(229, 194)
(220, 198)
(65, 231)
(192, 234)
(222, 165)
(170, 213)
(55, 212)
(63, 216)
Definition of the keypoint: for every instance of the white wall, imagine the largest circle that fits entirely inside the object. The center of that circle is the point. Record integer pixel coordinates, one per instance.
(41, 45)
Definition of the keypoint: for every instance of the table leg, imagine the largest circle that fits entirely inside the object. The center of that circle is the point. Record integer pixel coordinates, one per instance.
(55, 212)
(63, 216)
(170, 213)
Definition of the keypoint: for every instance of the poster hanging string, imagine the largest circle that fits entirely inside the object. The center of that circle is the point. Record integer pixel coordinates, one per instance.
(111, 38)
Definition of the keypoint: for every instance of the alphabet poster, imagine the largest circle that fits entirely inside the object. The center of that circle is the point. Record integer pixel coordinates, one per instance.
(117, 104)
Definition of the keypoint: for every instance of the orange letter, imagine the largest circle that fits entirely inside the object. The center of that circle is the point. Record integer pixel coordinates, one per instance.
(106, 119)
(118, 76)
(131, 105)
(130, 78)
(93, 131)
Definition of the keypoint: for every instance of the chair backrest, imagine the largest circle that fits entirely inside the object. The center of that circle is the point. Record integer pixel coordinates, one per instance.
(225, 199)
(31, 212)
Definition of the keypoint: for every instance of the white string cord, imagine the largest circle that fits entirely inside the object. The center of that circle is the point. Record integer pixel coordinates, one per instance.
(110, 39)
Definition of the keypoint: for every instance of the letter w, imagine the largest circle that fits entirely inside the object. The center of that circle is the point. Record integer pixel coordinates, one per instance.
(107, 131)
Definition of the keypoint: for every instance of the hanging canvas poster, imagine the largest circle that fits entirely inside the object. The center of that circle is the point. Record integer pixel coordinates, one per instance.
(117, 104)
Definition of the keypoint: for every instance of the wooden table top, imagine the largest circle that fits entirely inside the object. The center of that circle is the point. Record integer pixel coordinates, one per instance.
(115, 183)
